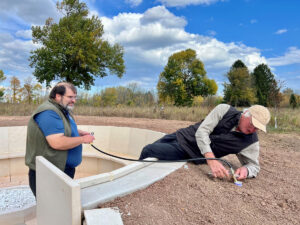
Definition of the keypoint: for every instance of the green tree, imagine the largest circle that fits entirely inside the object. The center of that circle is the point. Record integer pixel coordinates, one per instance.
(238, 64)
(293, 101)
(183, 78)
(275, 95)
(73, 50)
(148, 98)
(239, 91)
(2, 78)
(83, 98)
(109, 97)
(265, 84)
(96, 100)
(210, 86)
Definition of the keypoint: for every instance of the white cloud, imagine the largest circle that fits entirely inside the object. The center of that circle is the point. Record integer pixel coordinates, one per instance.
(161, 15)
(24, 34)
(292, 56)
(138, 82)
(174, 3)
(150, 38)
(134, 3)
(253, 21)
(281, 31)
(31, 11)
(14, 54)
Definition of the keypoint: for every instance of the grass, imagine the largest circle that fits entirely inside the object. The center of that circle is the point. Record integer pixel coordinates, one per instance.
(22, 109)
(170, 113)
(288, 120)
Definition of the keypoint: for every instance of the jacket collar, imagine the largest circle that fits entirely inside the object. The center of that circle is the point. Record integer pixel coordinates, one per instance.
(64, 110)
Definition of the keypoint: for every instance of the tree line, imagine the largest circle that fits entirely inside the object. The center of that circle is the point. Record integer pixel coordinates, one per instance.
(74, 50)
(130, 95)
(245, 88)
(30, 92)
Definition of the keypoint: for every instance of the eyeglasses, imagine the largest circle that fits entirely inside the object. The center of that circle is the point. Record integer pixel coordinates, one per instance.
(71, 97)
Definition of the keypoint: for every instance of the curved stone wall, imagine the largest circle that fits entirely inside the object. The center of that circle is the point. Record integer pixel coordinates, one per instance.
(122, 141)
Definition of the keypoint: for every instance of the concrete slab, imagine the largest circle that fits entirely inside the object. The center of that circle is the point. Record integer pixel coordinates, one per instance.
(105, 216)
(91, 196)
(107, 177)
(58, 196)
(31, 222)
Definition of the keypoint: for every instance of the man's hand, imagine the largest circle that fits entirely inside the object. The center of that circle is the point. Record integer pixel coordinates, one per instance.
(61, 142)
(82, 133)
(86, 136)
(242, 173)
(217, 168)
(87, 139)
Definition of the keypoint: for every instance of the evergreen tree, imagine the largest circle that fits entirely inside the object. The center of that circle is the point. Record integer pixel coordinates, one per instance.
(265, 84)
(238, 64)
(293, 101)
(239, 91)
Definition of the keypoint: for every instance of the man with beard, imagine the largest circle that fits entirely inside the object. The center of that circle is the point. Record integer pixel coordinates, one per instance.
(53, 134)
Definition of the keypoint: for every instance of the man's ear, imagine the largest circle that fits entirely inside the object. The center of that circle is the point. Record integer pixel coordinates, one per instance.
(58, 97)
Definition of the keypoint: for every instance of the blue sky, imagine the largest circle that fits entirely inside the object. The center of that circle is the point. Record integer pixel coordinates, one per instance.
(221, 31)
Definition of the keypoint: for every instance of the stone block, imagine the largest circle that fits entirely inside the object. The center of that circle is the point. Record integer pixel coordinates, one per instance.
(58, 196)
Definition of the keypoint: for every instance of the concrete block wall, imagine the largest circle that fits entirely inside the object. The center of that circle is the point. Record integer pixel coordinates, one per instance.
(13, 140)
(12, 151)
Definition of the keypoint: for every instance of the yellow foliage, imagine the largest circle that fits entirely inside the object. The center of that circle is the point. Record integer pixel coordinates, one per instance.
(197, 100)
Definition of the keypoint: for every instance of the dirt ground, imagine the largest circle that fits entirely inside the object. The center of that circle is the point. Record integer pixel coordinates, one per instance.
(190, 196)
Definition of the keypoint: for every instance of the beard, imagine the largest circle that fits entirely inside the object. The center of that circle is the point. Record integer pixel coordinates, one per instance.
(67, 106)
(70, 108)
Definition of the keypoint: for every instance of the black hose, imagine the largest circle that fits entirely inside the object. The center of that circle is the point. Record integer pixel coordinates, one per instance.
(163, 161)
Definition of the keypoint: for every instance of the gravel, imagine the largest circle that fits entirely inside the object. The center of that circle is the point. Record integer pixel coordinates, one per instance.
(15, 198)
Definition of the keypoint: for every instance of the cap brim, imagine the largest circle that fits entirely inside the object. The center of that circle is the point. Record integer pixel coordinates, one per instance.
(258, 125)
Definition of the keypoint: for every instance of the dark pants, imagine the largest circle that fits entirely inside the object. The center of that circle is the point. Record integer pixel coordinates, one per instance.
(32, 177)
(166, 148)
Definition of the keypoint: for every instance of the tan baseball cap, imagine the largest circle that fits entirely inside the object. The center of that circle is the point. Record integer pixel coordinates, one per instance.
(260, 116)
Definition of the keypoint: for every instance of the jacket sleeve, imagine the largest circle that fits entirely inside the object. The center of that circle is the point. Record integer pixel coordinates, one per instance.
(249, 159)
(208, 125)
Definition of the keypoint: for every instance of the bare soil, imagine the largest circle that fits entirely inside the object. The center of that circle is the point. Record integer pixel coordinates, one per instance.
(190, 196)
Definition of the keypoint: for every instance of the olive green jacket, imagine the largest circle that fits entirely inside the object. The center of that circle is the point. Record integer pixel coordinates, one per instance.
(36, 143)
